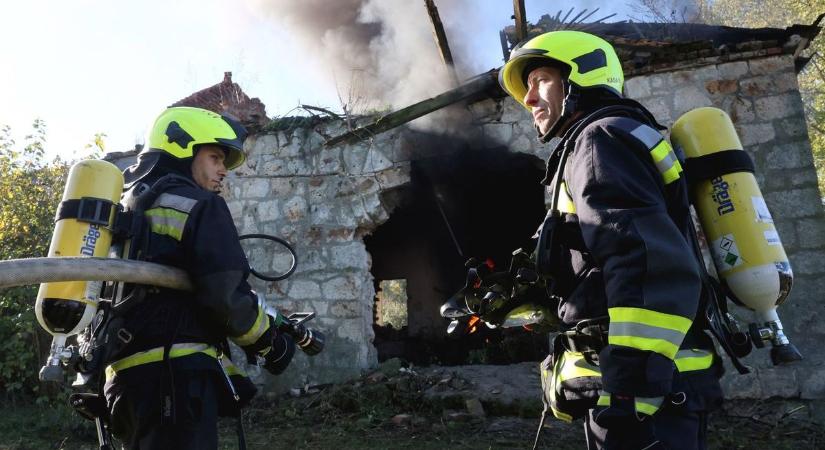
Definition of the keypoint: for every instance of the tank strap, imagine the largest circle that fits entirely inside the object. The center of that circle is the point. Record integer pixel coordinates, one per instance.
(86, 209)
(717, 164)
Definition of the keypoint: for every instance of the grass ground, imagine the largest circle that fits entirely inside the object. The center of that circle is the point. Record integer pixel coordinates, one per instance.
(393, 413)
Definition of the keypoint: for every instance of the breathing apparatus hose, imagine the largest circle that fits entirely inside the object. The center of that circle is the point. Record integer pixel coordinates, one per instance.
(21, 272)
(268, 237)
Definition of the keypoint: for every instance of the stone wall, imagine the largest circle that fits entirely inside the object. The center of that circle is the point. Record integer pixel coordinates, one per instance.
(323, 201)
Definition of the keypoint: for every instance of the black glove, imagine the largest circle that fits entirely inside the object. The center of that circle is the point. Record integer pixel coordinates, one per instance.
(273, 350)
(626, 428)
(280, 353)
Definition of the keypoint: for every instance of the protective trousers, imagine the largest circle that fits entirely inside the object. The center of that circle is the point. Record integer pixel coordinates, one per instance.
(675, 430)
(137, 411)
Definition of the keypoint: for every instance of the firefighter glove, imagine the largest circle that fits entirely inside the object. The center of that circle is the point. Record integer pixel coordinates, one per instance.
(280, 353)
(273, 350)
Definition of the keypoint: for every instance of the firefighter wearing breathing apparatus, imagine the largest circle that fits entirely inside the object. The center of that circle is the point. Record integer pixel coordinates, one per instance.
(169, 377)
(634, 361)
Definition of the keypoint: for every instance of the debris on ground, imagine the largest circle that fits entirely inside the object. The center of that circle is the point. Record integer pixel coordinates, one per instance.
(428, 408)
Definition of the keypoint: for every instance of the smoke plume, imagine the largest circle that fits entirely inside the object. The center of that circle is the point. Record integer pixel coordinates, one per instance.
(380, 53)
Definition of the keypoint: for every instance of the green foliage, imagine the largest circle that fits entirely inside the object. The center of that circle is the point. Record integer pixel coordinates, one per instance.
(30, 189)
(393, 303)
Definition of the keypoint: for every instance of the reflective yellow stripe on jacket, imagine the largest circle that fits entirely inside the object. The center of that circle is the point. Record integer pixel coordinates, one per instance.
(156, 355)
(168, 214)
(660, 151)
(256, 331)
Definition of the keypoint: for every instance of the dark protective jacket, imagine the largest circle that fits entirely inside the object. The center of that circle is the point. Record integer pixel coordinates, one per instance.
(623, 183)
(192, 229)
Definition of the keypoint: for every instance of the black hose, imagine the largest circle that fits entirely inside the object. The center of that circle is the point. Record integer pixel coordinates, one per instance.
(283, 242)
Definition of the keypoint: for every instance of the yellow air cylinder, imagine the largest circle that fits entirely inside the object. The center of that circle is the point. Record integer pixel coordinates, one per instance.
(740, 232)
(65, 308)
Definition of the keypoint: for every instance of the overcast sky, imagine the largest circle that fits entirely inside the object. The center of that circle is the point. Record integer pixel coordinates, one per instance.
(109, 66)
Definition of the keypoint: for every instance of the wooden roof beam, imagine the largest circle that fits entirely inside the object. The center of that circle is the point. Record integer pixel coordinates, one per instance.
(441, 40)
(520, 17)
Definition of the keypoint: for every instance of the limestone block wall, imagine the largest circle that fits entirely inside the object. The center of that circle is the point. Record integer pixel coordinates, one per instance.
(763, 100)
(322, 201)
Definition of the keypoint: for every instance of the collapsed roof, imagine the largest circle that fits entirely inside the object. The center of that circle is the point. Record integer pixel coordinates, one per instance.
(655, 47)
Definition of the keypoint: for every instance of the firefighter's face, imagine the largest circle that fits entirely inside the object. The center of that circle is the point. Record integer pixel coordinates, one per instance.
(545, 96)
(208, 168)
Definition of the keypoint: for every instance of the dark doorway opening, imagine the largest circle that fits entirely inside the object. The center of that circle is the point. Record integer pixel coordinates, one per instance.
(469, 203)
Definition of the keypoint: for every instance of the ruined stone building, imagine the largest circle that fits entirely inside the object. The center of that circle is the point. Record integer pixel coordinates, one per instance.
(414, 205)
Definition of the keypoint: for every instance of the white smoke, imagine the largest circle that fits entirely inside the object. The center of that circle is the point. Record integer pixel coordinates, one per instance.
(379, 53)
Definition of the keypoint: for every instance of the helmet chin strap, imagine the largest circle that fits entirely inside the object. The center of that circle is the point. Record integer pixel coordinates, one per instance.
(568, 108)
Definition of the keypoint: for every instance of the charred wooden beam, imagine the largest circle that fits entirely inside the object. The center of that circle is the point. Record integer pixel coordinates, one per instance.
(521, 19)
(441, 39)
(472, 87)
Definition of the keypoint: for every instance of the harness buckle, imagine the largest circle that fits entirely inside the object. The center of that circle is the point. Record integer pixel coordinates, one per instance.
(94, 210)
(124, 335)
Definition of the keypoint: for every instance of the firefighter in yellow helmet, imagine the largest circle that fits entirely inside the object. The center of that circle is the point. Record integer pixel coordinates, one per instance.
(634, 362)
(168, 374)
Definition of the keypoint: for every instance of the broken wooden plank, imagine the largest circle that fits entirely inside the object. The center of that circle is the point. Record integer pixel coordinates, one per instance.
(394, 119)
(521, 19)
(441, 40)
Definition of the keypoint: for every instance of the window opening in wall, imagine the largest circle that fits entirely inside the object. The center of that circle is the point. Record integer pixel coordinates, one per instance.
(391, 304)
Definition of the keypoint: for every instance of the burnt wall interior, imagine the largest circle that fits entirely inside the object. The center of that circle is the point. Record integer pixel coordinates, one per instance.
(469, 203)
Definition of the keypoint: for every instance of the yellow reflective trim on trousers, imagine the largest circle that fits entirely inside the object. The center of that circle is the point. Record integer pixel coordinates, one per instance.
(167, 222)
(649, 317)
(644, 405)
(666, 161)
(156, 355)
(659, 346)
(256, 331)
(231, 369)
(662, 333)
(648, 405)
(693, 359)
